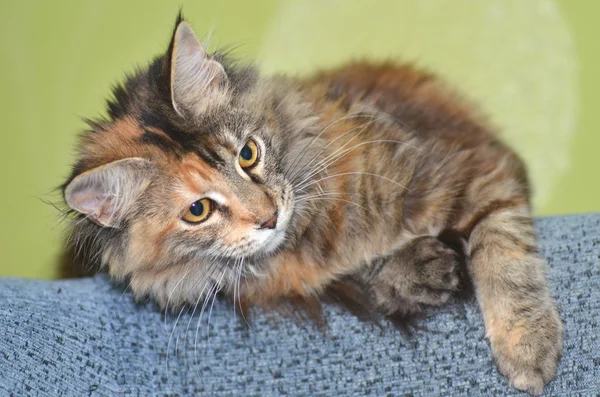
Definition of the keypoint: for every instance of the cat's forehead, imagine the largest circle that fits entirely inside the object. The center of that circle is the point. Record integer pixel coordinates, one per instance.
(230, 119)
(151, 132)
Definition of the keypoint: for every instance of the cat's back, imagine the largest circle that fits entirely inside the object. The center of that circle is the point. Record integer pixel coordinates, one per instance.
(417, 99)
(435, 144)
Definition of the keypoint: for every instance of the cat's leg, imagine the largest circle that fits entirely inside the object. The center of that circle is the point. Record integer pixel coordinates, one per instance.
(508, 274)
(423, 272)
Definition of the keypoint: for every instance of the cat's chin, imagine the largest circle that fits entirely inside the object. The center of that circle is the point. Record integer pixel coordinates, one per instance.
(268, 241)
(273, 242)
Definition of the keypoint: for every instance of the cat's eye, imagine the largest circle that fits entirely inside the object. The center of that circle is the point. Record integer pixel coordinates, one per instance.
(198, 211)
(249, 154)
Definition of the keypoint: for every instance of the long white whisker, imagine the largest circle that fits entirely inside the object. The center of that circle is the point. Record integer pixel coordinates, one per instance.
(372, 120)
(205, 276)
(349, 116)
(125, 290)
(212, 304)
(356, 173)
(171, 338)
(239, 295)
(206, 299)
(318, 167)
(364, 127)
(171, 293)
(346, 201)
(311, 196)
(346, 152)
(237, 265)
(326, 162)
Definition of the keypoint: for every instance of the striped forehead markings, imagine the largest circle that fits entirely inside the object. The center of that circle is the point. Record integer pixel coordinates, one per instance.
(160, 140)
(193, 165)
(156, 138)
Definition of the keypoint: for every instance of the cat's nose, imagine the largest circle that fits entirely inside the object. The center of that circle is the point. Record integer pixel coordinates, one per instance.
(271, 223)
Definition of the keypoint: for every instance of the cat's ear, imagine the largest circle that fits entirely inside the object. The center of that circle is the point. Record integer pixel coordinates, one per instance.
(107, 193)
(196, 78)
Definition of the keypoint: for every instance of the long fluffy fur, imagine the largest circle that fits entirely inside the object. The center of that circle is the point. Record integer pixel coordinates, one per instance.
(375, 162)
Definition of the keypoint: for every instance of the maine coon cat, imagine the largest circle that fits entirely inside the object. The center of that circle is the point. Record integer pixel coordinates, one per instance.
(206, 176)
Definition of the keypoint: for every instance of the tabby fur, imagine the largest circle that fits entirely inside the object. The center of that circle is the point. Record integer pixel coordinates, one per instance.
(364, 167)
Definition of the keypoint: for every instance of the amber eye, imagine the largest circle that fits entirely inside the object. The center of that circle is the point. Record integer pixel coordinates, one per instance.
(198, 211)
(249, 154)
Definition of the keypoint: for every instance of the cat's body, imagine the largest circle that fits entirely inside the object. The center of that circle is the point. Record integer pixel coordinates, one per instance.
(351, 174)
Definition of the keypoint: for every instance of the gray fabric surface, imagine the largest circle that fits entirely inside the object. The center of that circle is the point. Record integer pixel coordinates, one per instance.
(87, 337)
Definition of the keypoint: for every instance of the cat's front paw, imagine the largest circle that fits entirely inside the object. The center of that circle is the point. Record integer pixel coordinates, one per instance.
(528, 352)
(424, 272)
(433, 272)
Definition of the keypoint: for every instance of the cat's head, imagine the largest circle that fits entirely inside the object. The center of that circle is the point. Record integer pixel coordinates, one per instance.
(193, 163)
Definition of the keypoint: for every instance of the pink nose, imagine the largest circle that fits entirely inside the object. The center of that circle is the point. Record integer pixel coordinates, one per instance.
(271, 223)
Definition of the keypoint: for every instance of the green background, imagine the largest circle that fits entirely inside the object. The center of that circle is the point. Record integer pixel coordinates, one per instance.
(532, 65)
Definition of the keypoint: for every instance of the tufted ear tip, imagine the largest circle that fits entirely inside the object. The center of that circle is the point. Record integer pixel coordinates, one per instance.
(196, 78)
(180, 17)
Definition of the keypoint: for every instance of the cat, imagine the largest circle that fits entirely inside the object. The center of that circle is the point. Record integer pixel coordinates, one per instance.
(207, 176)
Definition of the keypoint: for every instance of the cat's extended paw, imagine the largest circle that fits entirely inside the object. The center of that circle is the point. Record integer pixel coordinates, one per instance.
(527, 352)
(424, 272)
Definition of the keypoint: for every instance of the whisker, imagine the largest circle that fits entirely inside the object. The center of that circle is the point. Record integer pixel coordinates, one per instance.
(364, 125)
(211, 306)
(170, 338)
(309, 144)
(236, 266)
(357, 173)
(202, 278)
(206, 276)
(311, 196)
(125, 290)
(322, 164)
(206, 299)
(347, 117)
(239, 297)
(214, 289)
(347, 151)
(171, 293)
(346, 201)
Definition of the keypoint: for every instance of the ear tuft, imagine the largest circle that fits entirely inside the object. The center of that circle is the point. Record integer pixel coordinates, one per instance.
(107, 193)
(180, 17)
(196, 78)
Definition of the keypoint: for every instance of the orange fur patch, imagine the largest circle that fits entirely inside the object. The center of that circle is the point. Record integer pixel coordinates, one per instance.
(293, 275)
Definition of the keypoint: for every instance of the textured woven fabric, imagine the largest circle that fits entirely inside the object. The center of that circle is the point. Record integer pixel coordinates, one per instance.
(88, 338)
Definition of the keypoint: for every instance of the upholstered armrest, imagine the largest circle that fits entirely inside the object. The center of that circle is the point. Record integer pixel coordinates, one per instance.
(87, 337)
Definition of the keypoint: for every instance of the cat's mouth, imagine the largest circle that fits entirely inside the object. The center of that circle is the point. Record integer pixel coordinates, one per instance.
(272, 233)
